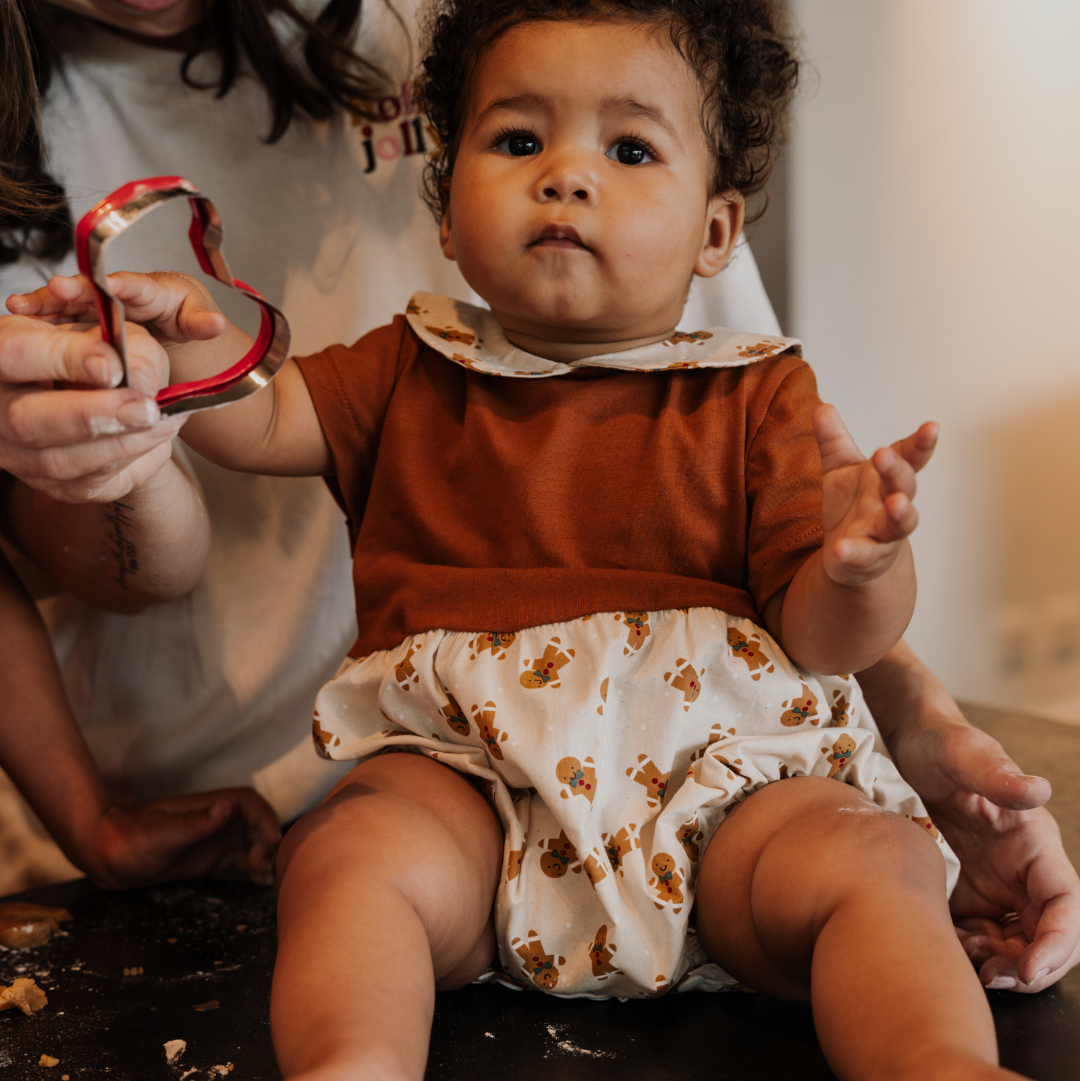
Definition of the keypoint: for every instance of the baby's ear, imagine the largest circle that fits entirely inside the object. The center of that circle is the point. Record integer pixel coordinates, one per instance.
(723, 226)
(446, 235)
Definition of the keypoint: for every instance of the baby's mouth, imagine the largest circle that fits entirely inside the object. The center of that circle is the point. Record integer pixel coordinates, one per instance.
(559, 236)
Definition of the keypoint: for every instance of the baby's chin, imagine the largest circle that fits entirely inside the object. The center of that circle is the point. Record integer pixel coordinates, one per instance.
(573, 319)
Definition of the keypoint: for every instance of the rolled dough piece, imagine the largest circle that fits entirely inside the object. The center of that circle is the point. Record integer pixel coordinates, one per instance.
(24, 924)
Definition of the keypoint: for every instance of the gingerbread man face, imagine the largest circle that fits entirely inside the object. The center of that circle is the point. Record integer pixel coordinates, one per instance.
(667, 880)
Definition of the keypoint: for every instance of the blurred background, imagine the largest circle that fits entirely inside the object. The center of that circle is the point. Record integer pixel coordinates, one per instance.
(923, 239)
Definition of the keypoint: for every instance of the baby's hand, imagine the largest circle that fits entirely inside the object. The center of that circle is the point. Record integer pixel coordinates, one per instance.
(867, 507)
(173, 307)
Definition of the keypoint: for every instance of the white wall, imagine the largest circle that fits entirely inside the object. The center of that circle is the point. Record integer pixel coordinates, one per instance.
(935, 202)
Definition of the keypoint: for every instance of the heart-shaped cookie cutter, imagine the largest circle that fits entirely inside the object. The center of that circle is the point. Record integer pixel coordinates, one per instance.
(115, 213)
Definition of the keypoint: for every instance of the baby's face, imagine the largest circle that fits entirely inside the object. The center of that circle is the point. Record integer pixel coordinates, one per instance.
(580, 201)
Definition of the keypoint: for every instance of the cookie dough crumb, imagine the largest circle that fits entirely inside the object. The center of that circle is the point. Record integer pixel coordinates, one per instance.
(64, 1077)
(23, 924)
(25, 994)
(202, 1007)
(241, 926)
(134, 971)
(174, 1049)
(48, 1060)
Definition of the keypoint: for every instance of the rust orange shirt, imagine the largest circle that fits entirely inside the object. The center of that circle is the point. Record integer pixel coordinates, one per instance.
(478, 502)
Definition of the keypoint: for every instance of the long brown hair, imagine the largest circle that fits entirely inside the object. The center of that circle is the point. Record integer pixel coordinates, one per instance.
(330, 77)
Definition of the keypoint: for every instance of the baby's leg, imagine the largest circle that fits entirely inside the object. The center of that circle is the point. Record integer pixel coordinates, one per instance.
(386, 893)
(809, 889)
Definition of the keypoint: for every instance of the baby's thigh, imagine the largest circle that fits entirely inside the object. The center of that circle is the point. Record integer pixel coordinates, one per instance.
(786, 858)
(402, 824)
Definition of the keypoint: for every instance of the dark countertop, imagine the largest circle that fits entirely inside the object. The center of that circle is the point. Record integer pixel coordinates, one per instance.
(101, 1023)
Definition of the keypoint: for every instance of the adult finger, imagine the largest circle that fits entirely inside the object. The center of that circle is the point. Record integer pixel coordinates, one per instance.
(835, 444)
(34, 418)
(90, 471)
(918, 448)
(975, 762)
(33, 351)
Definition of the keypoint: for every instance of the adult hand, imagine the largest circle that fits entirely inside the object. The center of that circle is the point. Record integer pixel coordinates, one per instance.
(90, 442)
(1010, 853)
(229, 833)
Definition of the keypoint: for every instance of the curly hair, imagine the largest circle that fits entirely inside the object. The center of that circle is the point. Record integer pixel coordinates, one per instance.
(740, 51)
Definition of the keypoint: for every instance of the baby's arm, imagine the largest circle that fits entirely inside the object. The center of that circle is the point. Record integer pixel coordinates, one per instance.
(43, 752)
(274, 431)
(850, 602)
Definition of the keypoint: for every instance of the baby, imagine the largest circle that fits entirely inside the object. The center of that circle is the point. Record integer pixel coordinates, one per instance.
(607, 593)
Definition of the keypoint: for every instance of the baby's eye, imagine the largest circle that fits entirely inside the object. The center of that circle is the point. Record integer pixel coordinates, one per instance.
(519, 144)
(629, 152)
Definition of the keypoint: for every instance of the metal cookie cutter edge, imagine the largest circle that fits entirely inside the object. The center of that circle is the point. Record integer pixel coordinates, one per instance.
(115, 213)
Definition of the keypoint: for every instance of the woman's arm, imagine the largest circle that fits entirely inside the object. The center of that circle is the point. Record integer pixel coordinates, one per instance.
(43, 752)
(991, 814)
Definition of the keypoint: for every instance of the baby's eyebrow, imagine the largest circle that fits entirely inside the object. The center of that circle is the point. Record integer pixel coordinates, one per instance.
(630, 107)
(520, 102)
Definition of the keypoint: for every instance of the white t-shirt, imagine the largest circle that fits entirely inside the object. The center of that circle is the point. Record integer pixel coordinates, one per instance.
(216, 689)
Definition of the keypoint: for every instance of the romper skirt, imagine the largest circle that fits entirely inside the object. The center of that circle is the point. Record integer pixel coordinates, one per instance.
(612, 747)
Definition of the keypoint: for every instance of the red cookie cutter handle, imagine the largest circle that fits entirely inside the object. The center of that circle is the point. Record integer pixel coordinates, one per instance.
(114, 214)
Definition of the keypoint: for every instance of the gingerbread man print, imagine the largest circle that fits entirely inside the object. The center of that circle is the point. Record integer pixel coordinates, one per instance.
(638, 630)
(749, 649)
(538, 964)
(841, 752)
(496, 642)
(685, 680)
(652, 778)
(803, 708)
(619, 845)
(579, 778)
(485, 727)
(404, 672)
(455, 717)
(667, 881)
(600, 954)
(544, 671)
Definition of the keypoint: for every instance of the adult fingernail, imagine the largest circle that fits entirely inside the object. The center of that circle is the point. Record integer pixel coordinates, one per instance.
(1001, 983)
(140, 413)
(103, 370)
(1038, 976)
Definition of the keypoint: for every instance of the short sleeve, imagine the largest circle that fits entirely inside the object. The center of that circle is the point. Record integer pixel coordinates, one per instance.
(351, 387)
(783, 487)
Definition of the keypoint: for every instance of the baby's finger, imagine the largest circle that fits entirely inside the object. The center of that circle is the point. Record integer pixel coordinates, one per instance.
(177, 306)
(72, 298)
(918, 448)
(853, 561)
(901, 518)
(834, 441)
(896, 473)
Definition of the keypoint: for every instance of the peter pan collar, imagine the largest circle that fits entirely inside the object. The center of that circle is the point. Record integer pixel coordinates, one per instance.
(471, 337)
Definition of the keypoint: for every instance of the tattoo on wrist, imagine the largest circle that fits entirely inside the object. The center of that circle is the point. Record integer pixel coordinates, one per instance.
(123, 548)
